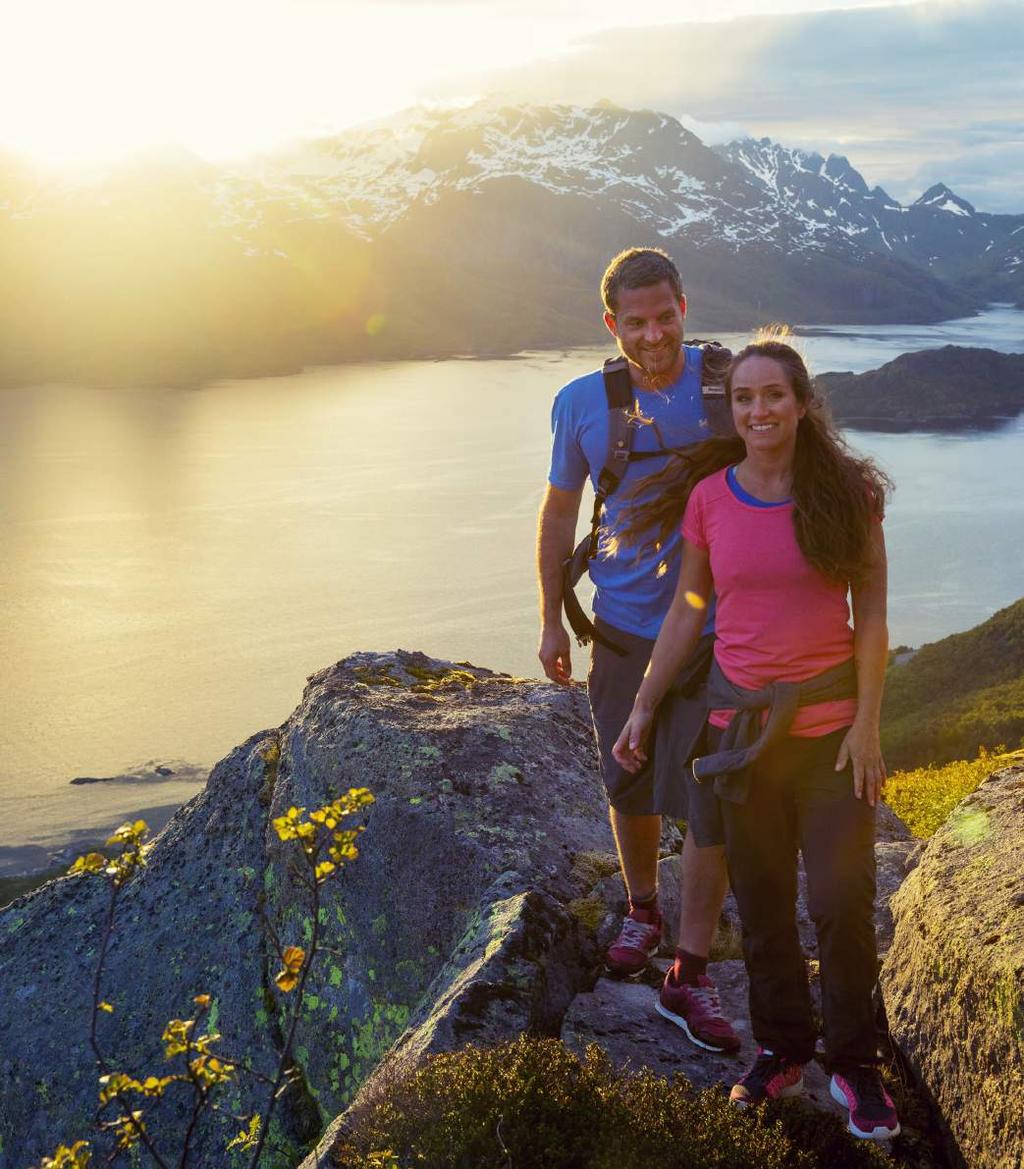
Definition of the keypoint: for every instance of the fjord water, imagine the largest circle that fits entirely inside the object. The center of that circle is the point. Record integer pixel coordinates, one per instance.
(176, 562)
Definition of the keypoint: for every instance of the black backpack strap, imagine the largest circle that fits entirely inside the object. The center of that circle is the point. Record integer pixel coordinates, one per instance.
(579, 622)
(618, 390)
(715, 361)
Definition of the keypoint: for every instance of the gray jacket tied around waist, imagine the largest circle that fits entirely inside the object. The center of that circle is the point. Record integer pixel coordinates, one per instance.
(744, 740)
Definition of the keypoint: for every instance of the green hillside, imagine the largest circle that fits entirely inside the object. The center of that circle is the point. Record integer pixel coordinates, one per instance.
(958, 695)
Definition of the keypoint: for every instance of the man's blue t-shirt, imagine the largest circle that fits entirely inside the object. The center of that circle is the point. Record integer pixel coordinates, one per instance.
(633, 592)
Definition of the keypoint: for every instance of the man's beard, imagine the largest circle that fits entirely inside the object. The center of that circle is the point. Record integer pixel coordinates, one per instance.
(657, 373)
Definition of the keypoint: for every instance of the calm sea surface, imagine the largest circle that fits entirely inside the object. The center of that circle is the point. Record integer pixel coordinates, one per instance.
(175, 563)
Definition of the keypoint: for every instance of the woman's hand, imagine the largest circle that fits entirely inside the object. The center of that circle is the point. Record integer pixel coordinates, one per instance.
(630, 750)
(861, 747)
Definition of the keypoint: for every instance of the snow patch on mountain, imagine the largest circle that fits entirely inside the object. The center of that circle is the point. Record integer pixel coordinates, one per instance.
(638, 163)
(940, 198)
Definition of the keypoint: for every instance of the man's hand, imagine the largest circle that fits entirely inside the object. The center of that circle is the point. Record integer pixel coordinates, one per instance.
(556, 526)
(862, 749)
(630, 750)
(554, 653)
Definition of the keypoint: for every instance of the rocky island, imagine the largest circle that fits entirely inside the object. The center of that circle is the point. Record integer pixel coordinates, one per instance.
(952, 388)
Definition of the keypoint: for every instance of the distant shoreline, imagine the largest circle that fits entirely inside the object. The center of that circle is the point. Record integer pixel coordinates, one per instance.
(33, 863)
(419, 352)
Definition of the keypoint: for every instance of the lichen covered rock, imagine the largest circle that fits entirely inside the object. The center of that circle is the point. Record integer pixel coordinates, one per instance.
(953, 980)
(451, 921)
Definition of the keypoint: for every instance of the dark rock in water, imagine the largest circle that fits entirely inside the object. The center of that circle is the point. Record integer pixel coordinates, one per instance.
(452, 920)
(951, 388)
(954, 976)
(150, 772)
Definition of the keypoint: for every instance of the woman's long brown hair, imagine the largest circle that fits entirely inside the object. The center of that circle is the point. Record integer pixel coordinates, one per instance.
(837, 496)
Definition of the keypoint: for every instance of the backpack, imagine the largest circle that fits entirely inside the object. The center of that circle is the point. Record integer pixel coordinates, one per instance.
(618, 388)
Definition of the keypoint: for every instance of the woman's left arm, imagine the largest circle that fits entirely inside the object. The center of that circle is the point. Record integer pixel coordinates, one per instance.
(862, 747)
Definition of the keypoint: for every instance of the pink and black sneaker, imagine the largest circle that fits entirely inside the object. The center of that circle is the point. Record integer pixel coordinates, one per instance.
(698, 1011)
(637, 943)
(872, 1113)
(772, 1077)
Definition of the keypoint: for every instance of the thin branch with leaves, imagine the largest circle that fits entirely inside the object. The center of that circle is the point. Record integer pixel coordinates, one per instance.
(324, 848)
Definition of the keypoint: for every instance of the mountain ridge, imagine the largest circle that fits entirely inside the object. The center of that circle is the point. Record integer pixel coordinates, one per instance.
(343, 248)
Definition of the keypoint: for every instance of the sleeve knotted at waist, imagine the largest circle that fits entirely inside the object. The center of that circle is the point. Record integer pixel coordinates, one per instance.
(744, 740)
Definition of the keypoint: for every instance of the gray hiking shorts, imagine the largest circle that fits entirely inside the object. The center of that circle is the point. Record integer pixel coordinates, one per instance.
(664, 785)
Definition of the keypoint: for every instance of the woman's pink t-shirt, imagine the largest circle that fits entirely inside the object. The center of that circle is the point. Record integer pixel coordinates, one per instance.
(777, 618)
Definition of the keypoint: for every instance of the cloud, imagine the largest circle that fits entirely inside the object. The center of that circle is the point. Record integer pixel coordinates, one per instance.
(901, 89)
(713, 132)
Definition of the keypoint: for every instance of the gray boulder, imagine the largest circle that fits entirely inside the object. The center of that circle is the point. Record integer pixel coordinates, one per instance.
(451, 925)
(953, 979)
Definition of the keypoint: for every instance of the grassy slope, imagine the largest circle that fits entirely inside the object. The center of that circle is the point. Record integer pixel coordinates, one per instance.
(957, 695)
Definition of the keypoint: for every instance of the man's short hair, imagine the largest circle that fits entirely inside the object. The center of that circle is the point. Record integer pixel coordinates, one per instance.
(638, 268)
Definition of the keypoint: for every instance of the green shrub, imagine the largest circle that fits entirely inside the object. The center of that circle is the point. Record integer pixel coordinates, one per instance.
(533, 1104)
(924, 798)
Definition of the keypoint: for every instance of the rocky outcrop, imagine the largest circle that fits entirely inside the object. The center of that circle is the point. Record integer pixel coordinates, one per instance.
(619, 1016)
(477, 910)
(452, 920)
(953, 980)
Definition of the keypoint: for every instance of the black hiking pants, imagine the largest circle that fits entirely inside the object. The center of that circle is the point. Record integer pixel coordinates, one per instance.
(798, 801)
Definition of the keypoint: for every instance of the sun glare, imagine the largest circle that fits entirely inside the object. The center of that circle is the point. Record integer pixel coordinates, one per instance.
(92, 82)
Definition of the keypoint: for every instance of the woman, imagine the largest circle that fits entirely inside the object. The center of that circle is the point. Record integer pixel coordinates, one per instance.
(784, 525)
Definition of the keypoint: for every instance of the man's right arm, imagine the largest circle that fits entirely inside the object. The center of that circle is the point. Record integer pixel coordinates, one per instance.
(556, 532)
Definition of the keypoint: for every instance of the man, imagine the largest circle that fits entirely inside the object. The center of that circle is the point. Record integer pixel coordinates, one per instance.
(644, 311)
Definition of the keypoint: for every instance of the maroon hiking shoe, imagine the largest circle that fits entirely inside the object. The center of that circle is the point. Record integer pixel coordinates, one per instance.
(698, 1011)
(637, 943)
(771, 1077)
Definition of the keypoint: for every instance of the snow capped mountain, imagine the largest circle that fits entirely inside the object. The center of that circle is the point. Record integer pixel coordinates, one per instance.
(503, 214)
(642, 163)
(827, 196)
(941, 198)
(646, 165)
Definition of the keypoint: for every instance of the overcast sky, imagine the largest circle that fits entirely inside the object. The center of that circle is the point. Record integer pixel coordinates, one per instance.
(911, 93)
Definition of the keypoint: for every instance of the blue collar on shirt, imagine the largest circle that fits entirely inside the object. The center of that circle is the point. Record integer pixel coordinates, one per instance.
(745, 496)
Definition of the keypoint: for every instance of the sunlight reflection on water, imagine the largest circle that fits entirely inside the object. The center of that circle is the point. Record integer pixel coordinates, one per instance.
(178, 561)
